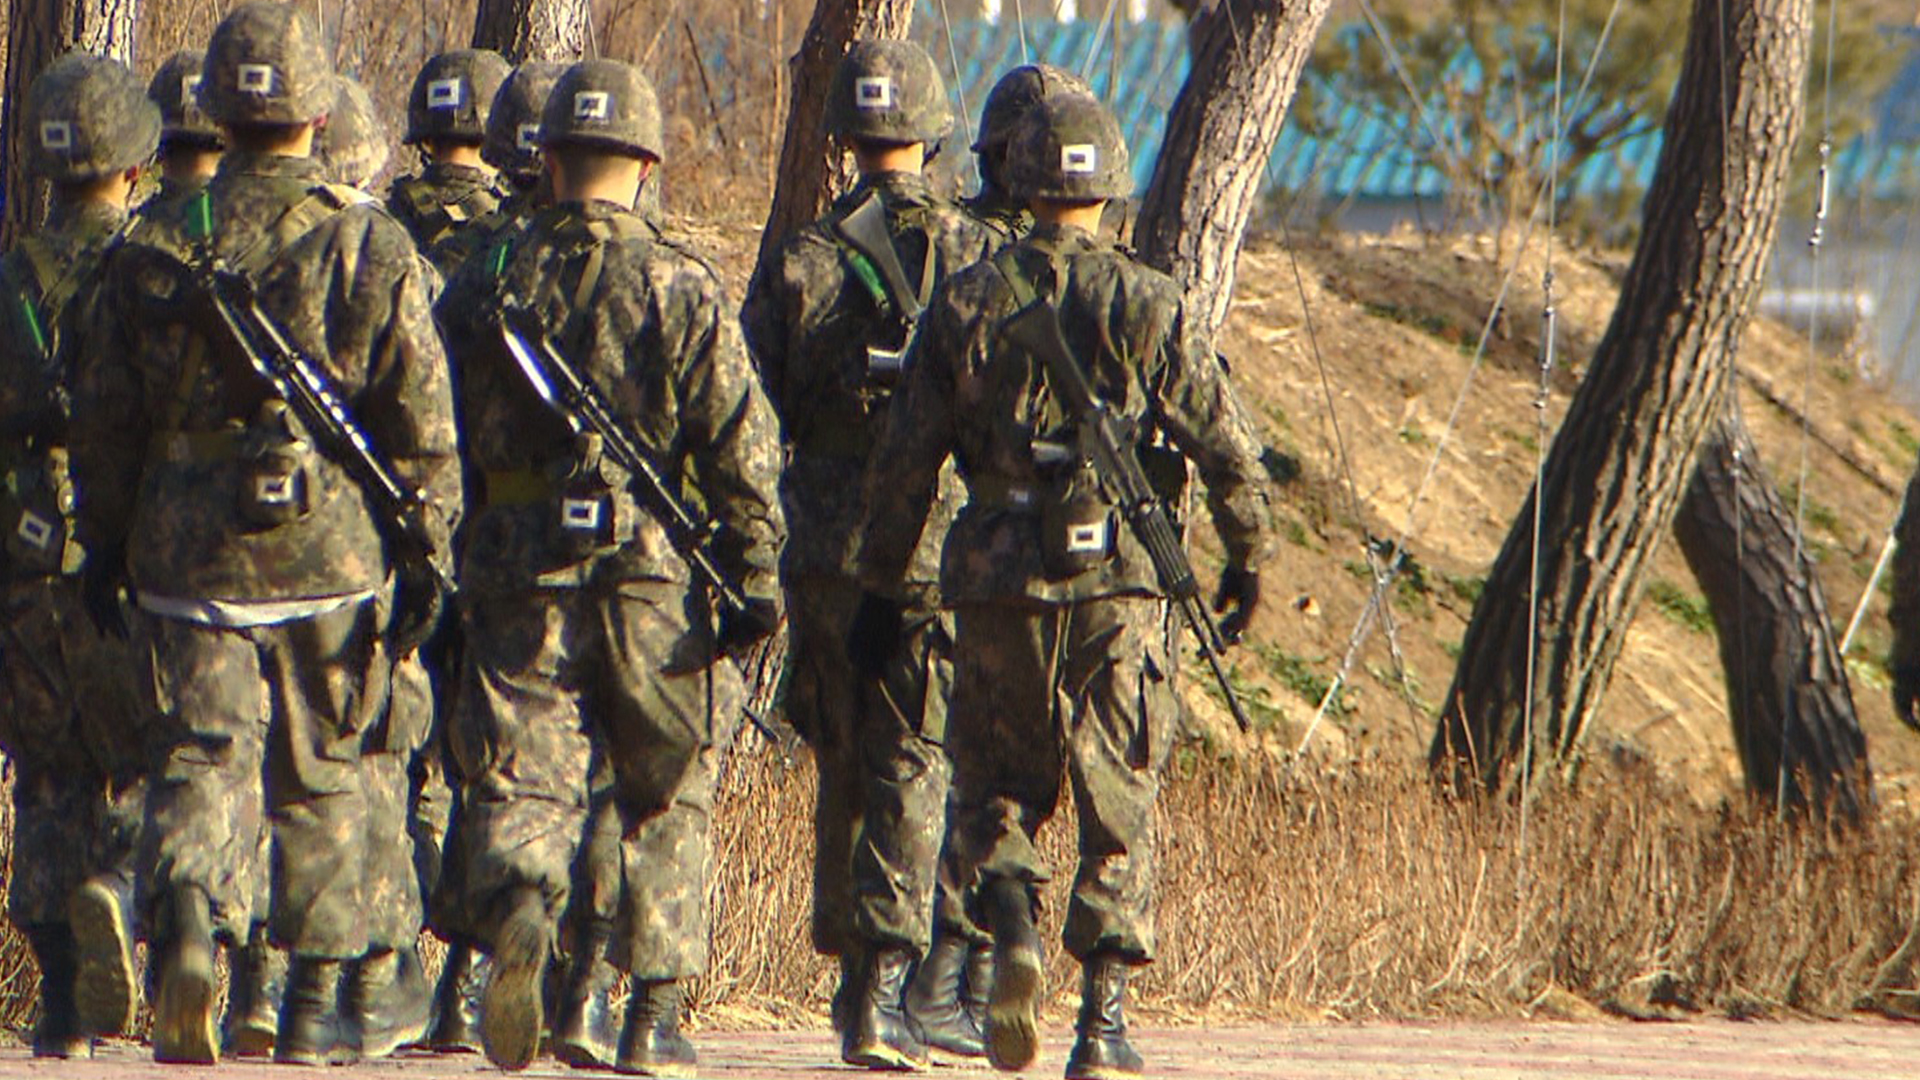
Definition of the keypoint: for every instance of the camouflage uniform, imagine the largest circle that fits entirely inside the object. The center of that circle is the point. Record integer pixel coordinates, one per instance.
(183, 124)
(449, 103)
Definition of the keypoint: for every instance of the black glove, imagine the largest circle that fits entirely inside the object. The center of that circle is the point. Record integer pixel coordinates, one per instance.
(1906, 691)
(741, 630)
(101, 582)
(417, 606)
(877, 625)
(1237, 598)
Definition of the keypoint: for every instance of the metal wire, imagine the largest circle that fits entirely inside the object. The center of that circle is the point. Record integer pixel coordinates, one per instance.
(960, 88)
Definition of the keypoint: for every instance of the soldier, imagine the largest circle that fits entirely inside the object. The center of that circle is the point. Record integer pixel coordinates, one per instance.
(269, 600)
(1060, 662)
(1012, 97)
(352, 148)
(189, 142)
(447, 121)
(592, 668)
(827, 323)
(69, 712)
(512, 147)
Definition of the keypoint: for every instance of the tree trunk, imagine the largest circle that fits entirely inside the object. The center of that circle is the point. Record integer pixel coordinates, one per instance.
(812, 171)
(522, 30)
(1784, 672)
(1614, 478)
(38, 33)
(1247, 58)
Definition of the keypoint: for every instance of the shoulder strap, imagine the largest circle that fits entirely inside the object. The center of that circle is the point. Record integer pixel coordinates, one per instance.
(866, 241)
(317, 207)
(1024, 294)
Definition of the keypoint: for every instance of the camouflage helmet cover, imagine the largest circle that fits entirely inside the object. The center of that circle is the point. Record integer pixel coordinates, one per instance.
(888, 91)
(1017, 92)
(603, 103)
(513, 120)
(266, 65)
(353, 146)
(451, 96)
(88, 117)
(1069, 148)
(174, 89)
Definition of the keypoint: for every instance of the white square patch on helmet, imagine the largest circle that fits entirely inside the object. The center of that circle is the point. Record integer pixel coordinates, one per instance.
(873, 93)
(592, 105)
(56, 135)
(444, 94)
(528, 137)
(254, 79)
(1079, 159)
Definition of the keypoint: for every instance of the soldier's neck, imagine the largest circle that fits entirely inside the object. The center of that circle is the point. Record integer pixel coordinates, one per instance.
(872, 159)
(460, 154)
(1069, 215)
(294, 141)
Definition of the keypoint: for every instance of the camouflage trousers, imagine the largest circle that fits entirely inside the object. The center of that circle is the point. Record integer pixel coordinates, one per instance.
(880, 812)
(1079, 691)
(264, 726)
(407, 809)
(71, 721)
(591, 724)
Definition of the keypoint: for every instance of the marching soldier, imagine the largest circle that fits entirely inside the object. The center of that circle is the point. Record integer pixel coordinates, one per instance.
(272, 594)
(827, 319)
(512, 147)
(1011, 99)
(1061, 665)
(189, 142)
(447, 122)
(593, 668)
(69, 714)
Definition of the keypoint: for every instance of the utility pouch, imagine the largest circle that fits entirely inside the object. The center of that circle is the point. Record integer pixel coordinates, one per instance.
(582, 519)
(33, 511)
(1076, 530)
(275, 469)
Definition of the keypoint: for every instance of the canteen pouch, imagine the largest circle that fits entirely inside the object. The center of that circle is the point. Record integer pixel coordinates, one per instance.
(33, 511)
(275, 488)
(1076, 530)
(582, 517)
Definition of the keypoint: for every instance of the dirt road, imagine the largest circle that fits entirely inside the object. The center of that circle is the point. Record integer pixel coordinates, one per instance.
(1517, 1051)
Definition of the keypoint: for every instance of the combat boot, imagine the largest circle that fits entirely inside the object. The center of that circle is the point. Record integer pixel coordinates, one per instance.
(513, 1010)
(585, 1034)
(309, 1021)
(846, 992)
(1100, 1047)
(183, 1007)
(1013, 1031)
(934, 1003)
(878, 1035)
(258, 981)
(387, 1004)
(651, 1043)
(103, 988)
(58, 1033)
(973, 995)
(456, 1009)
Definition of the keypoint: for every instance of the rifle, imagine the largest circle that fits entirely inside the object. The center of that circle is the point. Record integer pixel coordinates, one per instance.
(297, 380)
(579, 402)
(1106, 441)
(879, 270)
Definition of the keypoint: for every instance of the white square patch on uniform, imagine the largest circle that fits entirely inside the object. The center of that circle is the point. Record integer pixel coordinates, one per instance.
(592, 105)
(189, 88)
(528, 137)
(873, 93)
(1080, 159)
(444, 94)
(254, 79)
(56, 135)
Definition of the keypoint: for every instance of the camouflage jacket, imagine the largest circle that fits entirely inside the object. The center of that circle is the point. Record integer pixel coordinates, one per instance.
(173, 430)
(970, 396)
(808, 320)
(47, 281)
(167, 201)
(648, 324)
(1009, 219)
(441, 200)
(486, 234)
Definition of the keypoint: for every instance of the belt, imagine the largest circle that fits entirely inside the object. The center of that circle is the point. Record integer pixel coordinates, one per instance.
(199, 447)
(1005, 493)
(518, 487)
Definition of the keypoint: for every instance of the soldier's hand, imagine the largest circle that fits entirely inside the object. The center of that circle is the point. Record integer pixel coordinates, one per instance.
(100, 591)
(743, 629)
(875, 634)
(1906, 692)
(417, 606)
(1237, 599)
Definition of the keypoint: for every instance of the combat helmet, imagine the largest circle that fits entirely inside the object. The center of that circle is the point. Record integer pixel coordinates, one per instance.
(451, 96)
(888, 91)
(1017, 92)
(513, 120)
(353, 146)
(1069, 148)
(173, 88)
(266, 66)
(88, 117)
(606, 104)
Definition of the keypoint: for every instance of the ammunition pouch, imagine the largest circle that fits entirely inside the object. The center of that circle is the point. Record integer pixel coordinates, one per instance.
(583, 509)
(275, 472)
(1078, 527)
(36, 509)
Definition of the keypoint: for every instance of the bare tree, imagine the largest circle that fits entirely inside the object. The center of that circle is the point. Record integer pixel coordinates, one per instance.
(811, 170)
(1532, 674)
(38, 33)
(1247, 58)
(521, 30)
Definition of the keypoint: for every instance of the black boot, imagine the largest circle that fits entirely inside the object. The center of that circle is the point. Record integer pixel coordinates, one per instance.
(979, 983)
(847, 992)
(183, 1007)
(1101, 1050)
(879, 1036)
(456, 1008)
(309, 1020)
(1013, 1031)
(513, 1010)
(58, 1032)
(257, 983)
(586, 1034)
(651, 1043)
(387, 1002)
(104, 989)
(934, 1002)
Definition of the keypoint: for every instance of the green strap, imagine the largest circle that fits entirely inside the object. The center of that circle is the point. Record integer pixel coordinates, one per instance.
(868, 275)
(31, 315)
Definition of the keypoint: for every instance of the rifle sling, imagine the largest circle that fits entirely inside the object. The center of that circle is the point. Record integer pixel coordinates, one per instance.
(879, 265)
